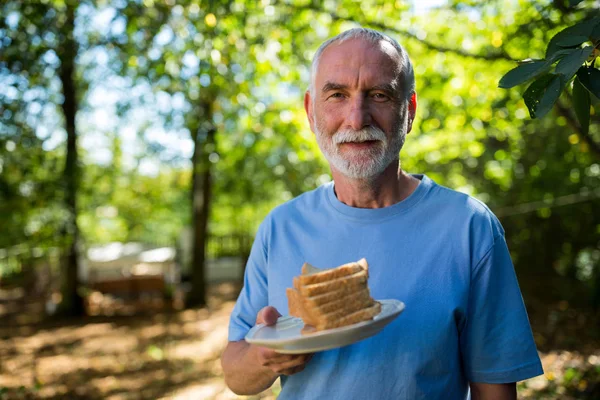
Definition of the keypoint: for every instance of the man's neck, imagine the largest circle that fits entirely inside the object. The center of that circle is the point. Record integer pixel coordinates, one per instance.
(389, 188)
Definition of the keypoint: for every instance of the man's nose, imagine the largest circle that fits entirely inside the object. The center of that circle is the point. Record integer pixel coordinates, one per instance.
(358, 115)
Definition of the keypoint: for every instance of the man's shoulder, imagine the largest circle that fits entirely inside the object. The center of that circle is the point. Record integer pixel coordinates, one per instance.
(464, 206)
(461, 200)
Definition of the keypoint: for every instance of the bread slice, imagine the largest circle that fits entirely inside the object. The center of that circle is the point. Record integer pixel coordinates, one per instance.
(325, 297)
(308, 269)
(342, 312)
(358, 316)
(333, 310)
(345, 283)
(294, 302)
(363, 263)
(345, 300)
(311, 275)
(297, 309)
(332, 298)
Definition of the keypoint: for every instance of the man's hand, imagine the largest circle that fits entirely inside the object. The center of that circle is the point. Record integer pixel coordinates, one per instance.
(250, 369)
(281, 364)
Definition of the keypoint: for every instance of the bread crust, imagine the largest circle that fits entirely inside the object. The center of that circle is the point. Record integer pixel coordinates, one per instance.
(352, 301)
(332, 298)
(358, 316)
(347, 283)
(329, 274)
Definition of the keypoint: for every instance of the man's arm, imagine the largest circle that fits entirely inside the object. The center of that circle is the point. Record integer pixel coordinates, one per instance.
(489, 391)
(250, 369)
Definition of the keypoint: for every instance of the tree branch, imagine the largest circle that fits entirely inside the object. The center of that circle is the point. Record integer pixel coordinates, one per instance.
(502, 55)
(564, 111)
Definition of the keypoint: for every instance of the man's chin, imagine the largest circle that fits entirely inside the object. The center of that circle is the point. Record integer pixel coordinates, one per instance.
(359, 170)
(362, 163)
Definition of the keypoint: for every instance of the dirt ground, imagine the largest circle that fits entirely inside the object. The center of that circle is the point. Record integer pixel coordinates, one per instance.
(162, 355)
(175, 355)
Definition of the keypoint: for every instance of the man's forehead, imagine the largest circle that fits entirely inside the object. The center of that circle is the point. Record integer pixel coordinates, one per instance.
(357, 49)
(356, 53)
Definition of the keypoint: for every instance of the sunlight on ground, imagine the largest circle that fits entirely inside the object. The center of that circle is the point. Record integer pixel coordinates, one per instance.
(162, 356)
(170, 356)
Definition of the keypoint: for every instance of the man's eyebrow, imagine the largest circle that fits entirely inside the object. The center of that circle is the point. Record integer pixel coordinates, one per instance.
(386, 87)
(333, 86)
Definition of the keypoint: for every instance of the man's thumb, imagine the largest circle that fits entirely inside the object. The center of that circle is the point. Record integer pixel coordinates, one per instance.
(267, 316)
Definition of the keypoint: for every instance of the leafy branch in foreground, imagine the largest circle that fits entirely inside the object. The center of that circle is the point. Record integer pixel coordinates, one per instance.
(575, 51)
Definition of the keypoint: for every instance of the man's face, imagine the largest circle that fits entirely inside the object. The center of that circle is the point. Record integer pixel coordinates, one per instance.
(357, 111)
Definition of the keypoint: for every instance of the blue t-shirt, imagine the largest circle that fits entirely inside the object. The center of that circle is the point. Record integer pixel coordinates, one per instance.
(440, 252)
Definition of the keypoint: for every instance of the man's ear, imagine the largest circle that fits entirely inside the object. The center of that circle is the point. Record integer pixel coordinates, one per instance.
(309, 109)
(412, 111)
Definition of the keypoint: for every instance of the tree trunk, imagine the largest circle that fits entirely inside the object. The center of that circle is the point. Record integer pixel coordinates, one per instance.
(204, 144)
(72, 302)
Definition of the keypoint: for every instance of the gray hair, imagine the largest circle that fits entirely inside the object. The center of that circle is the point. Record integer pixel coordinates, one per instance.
(407, 74)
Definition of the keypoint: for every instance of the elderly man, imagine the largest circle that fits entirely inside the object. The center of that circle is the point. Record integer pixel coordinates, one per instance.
(442, 253)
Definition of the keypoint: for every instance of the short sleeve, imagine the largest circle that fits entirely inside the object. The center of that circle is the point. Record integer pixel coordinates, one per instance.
(497, 345)
(254, 294)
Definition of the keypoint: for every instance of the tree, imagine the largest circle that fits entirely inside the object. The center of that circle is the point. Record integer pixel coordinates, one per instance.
(207, 50)
(228, 77)
(464, 136)
(41, 43)
(72, 301)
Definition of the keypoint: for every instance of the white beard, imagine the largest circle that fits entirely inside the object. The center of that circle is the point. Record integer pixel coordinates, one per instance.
(361, 164)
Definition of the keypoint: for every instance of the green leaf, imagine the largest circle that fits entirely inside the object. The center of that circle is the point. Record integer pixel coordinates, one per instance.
(572, 35)
(569, 65)
(558, 55)
(573, 3)
(590, 79)
(530, 69)
(523, 73)
(571, 41)
(541, 95)
(596, 33)
(581, 102)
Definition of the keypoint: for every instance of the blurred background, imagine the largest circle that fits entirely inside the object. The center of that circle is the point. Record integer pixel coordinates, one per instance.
(142, 142)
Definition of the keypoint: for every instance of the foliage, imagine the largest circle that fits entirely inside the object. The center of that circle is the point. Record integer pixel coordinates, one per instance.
(30, 171)
(149, 70)
(117, 206)
(573, 62)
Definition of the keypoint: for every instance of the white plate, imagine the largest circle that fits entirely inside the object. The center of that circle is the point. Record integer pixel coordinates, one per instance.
(285, 335)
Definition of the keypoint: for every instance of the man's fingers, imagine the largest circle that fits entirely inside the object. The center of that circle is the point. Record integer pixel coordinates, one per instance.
(286, 358)
(289, 366)
(292, 371)
(268, 316)
(268, 357)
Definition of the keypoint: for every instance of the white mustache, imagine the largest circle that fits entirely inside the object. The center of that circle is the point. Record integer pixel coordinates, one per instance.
(363, 135)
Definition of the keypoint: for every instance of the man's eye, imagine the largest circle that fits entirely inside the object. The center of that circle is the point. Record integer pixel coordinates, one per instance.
(336, 95)
(380, 97)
